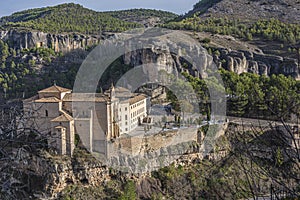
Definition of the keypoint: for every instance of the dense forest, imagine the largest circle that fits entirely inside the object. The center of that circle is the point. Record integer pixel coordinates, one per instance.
(141, 14)
(66, 18)
(250, 95)
(18, 69)
(272, 30)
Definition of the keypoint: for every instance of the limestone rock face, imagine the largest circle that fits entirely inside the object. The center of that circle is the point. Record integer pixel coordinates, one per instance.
(257, 63)
(168, 61)
(234, 61)
(59, 42)
(61, 174)
(238, 61)
(162, 60)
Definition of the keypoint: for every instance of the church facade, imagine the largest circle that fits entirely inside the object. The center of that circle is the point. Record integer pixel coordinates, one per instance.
(59, 114)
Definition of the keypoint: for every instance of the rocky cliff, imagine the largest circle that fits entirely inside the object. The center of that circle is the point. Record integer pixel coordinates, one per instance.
(59, 42)
(44, 175)
(238, 61)
(257, 63)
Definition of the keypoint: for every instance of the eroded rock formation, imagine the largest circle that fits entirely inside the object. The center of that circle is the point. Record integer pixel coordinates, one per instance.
(257, 63)
(232, 60)
(58, 42)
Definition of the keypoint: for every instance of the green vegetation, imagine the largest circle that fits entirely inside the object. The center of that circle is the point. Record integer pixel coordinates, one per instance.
(66, 18)
(129, 191)
(19, 69)
(13, 73)
(250, 95)
(80, 191)
(141, 14)
(266, 29)
(259, 96)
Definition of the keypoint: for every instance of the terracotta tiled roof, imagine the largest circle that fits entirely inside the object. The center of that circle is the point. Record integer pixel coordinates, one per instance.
(47, 100)
(137, 98)
(85, 97)
(64, 117)
(31, 99)
(55, 88)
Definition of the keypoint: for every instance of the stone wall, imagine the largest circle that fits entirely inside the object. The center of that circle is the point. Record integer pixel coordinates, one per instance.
(145, 153)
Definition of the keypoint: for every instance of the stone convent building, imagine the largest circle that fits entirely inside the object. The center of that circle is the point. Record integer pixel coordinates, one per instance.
(59, 114)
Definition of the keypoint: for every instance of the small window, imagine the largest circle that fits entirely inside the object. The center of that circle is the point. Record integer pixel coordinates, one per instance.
(125, 117)
(125, 108)
(46, 113)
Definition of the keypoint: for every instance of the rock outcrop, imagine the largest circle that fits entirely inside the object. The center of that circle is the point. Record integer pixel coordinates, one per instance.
(45, 176)
(232, 60)
(58, 42)
(60, 175)
(257, 63)
(237, 61)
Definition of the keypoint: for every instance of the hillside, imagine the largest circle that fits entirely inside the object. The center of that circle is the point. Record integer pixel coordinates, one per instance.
(147, 17)
(270, 27)
(285, 10)
(72, 17)
(65, 18)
